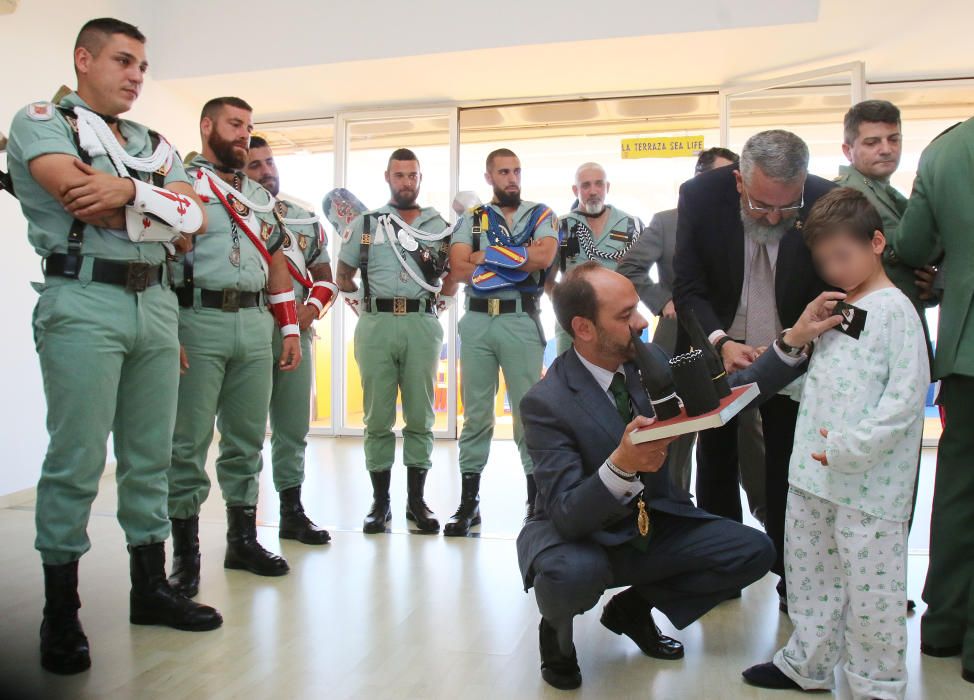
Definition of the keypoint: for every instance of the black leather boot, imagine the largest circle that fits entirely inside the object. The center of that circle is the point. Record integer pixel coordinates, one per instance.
(295, 525)
(152, 601)
(468, 513)
(532, 497)
(416, 509)
(185, 577)
(243, 549)
(380, 513)
(64, 646)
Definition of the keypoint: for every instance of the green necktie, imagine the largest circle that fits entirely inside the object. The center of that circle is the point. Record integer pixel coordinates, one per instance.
(621, 395)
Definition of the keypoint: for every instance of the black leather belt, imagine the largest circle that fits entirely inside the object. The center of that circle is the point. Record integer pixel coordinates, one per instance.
(496, 307)
(134, 276)
(399, 305)
(230, 300)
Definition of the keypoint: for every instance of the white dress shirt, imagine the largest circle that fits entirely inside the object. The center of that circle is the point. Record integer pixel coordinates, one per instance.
(622, 489)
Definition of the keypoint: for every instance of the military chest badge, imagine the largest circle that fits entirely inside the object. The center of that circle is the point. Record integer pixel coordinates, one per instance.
(280, 208)
(238, 206)
(287, 241)
(40, 111)
(266, 230)
(302, 243)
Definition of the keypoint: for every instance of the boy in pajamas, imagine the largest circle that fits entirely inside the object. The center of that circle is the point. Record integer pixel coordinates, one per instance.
(853, 470)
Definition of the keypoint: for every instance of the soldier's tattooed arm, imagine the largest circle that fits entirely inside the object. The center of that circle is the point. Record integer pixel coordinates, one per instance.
(321, 272)
(345, 279)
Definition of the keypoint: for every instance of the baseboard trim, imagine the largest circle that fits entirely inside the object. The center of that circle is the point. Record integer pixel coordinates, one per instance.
(19, 498)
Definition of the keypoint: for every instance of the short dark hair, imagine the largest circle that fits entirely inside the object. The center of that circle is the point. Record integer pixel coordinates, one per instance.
(575, 296)
(401, 154)
(705, 161)
(868, 111)
(258, 142)
(94, 32)
(213, 107)
(499, 153)
(843, 210)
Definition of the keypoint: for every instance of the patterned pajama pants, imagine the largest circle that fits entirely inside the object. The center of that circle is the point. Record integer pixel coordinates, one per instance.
(846, 574)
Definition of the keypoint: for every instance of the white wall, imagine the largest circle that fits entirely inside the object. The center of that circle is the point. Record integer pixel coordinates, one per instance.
(36, 52)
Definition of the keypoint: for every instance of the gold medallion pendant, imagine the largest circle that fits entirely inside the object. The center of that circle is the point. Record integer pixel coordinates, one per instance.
(642, 520)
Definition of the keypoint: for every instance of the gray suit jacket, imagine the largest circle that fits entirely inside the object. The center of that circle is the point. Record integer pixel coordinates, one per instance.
(571, 427)
(656, 245)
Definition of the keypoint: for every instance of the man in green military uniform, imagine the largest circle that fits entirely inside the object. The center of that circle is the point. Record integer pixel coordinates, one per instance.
(306, 251)
(873, 144)
(941, 211)
(400, 251)
(501, 252)
(225, 333)
(593, 231)
(105, 327)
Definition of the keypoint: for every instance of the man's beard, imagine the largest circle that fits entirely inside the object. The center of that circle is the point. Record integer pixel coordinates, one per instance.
(592, 207)
(404, 199)
(225, 152)
(271, 184)
(507, 199)
(609, 348)
(763, 234)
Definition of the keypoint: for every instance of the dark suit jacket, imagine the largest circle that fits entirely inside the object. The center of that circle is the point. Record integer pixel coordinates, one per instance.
(709, 261)
(571, 427)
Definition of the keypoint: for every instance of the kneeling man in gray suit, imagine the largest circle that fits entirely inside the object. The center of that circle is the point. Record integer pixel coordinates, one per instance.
(592, 481)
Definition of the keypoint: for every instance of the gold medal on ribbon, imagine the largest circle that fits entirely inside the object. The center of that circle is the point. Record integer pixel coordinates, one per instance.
(642, 520)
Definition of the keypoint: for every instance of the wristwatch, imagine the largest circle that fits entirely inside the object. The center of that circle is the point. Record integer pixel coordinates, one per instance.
(788, 349)
(721, 341)
(621, 473)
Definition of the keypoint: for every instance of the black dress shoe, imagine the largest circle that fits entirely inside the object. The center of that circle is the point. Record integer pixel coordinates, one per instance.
(940, 652)
(769, 676)
(557, 670)
(628, 614)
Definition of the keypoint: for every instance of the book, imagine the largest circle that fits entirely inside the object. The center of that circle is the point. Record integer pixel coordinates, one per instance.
(739, 398)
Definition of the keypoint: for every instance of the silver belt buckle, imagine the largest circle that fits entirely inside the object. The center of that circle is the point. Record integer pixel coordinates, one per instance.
(493, 307)
(399, 306)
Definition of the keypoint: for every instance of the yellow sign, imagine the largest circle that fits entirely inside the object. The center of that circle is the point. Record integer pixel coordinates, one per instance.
(662, 147)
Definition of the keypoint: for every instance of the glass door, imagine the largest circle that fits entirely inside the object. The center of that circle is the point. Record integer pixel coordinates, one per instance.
(368, 138)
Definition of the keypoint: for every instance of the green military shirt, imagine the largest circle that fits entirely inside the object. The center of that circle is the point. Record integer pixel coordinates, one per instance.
(48, 224)
(303, 242)
(387, 278)
(224, 257)
(890, 204)
(547, 229)
(619, 233)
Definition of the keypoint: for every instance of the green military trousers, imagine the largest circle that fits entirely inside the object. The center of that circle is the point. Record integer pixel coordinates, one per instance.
(291, 415)
(508, 342)
(398, 352)
(229, 377)
(110, 364)
(949, 589)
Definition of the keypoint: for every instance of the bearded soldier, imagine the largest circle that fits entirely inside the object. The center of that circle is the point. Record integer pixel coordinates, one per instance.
(225, 332)
(400, 251)
(500, 251)
(594, 230)
(306, 251)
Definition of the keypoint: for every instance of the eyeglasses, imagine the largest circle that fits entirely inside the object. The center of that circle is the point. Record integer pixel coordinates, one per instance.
(770, 210)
